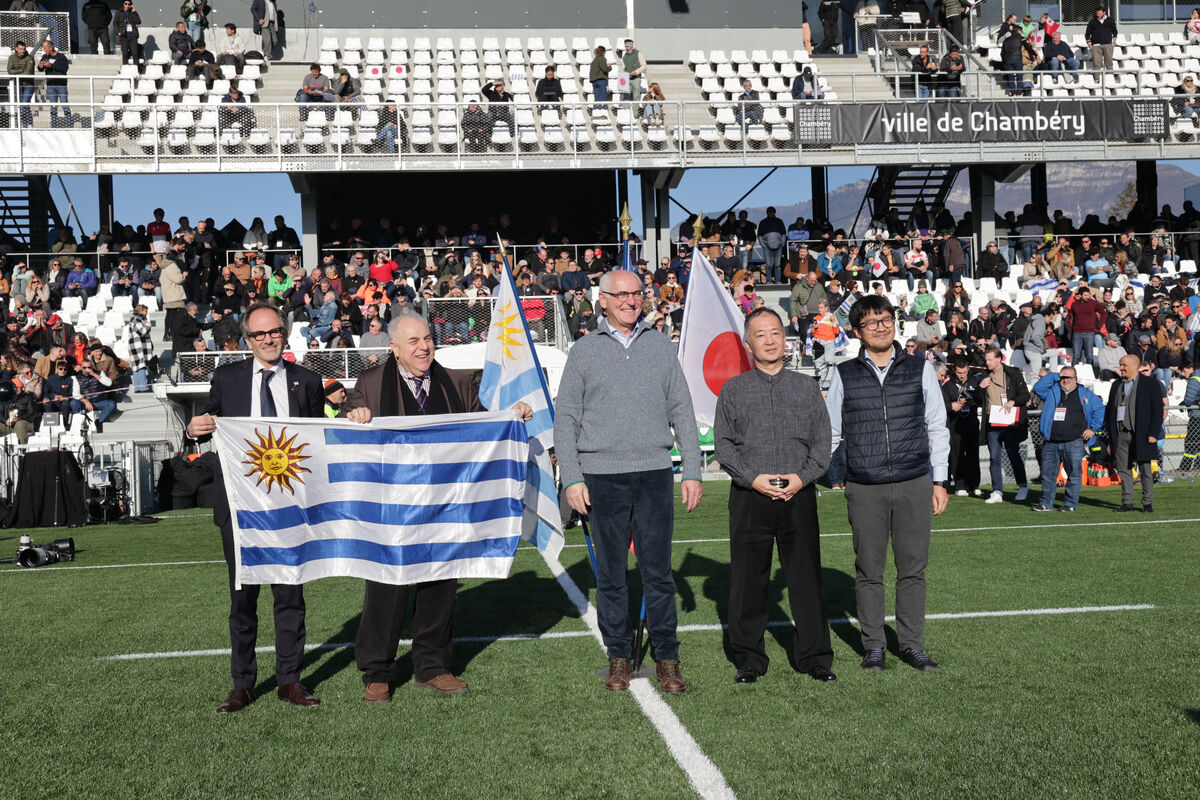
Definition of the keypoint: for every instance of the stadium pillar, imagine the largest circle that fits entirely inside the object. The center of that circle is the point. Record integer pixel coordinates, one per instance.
(983, 203)
(1147, 185)
(305, 186)
(820, 193)
(1038, 194)
(656, 211)
(104, 192)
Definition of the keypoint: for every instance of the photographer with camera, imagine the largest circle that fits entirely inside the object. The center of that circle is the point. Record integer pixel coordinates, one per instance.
(962, 417)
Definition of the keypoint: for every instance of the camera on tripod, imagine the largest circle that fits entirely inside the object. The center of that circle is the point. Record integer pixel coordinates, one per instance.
(38, 555)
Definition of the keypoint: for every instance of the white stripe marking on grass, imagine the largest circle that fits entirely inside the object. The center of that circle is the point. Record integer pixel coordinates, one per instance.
(702, 773)
(41, 570)
(527, 637)
(972, 529)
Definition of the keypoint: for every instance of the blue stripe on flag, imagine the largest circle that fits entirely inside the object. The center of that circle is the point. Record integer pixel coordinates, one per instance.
(380, 514)
(541, 421)
(438, 434)
(399, 555)
(525, 383)
(427, 474)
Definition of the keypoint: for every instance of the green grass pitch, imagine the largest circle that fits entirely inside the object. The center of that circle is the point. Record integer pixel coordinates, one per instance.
(1089, 704)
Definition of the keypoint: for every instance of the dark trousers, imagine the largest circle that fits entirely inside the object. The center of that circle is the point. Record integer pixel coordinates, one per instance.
(757, 524)
(1000, 441)
(384, 609)
(902, 513)
(637, 504)
(243, 625)
(964, 452)
(829, 36)
(129, 49)
(99, 35)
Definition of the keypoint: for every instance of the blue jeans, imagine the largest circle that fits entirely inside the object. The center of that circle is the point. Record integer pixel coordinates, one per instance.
(1000, 441)
(194, 30)
(1012, 77)
(600, 90)
(1069, 65)
(81, 293)
(1081, 348)
(773, 257)
(140, 382)
(641, 504)
(26, 97)
(1070, 455)
(55, 95)
(444, 331)
(1164, 376)
(316, 332)
(950, 91)
(923, 91)
(387, 134)
(103, 407)
(1028, 248)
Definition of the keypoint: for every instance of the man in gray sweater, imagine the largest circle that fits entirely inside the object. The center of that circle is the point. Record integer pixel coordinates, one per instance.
(622, 391)
(773, 438)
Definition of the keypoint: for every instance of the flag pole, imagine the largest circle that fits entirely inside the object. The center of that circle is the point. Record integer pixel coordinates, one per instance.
(587, 537)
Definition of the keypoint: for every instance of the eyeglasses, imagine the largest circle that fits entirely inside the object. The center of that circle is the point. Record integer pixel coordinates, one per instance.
(883, 323)
(624, 297)
(1066, 378)
(258, 336)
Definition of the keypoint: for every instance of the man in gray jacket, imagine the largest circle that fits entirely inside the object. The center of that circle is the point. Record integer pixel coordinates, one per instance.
(622, 392)
(772, 437)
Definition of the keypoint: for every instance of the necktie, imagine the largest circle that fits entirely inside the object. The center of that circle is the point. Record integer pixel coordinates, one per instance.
(266, 400)
(419, 393)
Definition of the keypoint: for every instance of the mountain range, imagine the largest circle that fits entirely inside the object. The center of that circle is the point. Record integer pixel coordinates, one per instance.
(1078, 189)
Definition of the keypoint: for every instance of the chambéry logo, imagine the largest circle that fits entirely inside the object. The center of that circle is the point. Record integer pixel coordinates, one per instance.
(276, 459)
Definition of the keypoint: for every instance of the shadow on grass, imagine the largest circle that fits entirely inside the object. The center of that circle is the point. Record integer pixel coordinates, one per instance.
(331, 662)
(1194, 714)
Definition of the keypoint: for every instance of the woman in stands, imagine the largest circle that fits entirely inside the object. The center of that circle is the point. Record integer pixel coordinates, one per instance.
(1192, 27)
(77, 350)
(1170, 359)
(956, 327)
(598, 75)
(956, 301)
(256, 237)
(652, 102)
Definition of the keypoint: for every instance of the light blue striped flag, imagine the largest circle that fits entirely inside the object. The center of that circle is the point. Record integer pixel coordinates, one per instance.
(400, 500)
(511, 373)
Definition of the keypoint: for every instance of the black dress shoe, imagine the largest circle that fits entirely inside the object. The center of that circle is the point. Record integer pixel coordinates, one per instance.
(1148, 508)
(237, 700)
(1122, 509)
(822, 674)
(297, 695)
(918, 660)
(873, 659)
(746, 676)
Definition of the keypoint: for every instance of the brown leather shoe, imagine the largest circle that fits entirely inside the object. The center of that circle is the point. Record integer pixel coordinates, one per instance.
(297, 695)
(445, 683)
(620, 671)
(378, 693)
(237, 700)
(669, 679)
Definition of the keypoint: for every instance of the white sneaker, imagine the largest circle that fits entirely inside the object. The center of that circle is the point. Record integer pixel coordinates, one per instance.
(995, 497)
(978, 493)
(961, 493)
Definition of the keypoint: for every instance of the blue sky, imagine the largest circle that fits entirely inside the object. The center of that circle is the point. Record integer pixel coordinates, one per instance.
(225, 196)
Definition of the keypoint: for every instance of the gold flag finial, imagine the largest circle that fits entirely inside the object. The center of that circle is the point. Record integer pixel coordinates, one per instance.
(626, 220)
(698, 227)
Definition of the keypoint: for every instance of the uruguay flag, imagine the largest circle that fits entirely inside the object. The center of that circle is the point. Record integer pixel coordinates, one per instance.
(399, 500)
(511, 373)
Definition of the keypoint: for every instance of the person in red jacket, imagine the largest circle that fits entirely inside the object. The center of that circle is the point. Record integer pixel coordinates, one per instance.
(1085, 316)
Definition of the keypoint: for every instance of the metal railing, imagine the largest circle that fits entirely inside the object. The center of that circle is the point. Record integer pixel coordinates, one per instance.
(122, 138)
(35, 27)
(197, 368)
(461, 320)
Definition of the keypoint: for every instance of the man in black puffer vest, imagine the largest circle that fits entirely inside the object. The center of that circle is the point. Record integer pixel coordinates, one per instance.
(887, 406)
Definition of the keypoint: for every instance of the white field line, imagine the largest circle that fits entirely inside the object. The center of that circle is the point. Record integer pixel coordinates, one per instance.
(702, 774)
(594, 632)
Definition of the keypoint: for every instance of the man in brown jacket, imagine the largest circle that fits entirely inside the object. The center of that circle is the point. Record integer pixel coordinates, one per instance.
(410, 383)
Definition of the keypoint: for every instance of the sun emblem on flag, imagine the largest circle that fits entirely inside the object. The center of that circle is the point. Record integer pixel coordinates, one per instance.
(506, 331)
(276, 459)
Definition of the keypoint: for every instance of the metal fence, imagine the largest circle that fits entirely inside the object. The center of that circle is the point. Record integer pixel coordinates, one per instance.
(460, 320)
(197, 368)
(121, 136)
(35, 27)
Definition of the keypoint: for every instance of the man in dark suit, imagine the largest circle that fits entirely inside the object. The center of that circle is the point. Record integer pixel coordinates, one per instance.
(410, 383)
(1134, 419)
(263, 386)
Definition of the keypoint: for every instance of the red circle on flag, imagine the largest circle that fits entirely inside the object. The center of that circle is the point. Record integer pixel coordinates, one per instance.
(724, 358)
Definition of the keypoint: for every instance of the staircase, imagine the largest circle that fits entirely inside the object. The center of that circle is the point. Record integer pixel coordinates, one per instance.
(902, 188)
(27, 210)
